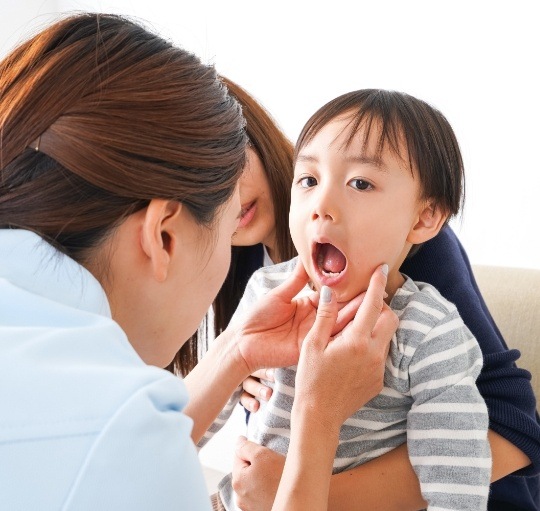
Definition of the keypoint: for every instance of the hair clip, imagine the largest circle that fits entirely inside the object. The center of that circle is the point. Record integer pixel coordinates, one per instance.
(35, 144)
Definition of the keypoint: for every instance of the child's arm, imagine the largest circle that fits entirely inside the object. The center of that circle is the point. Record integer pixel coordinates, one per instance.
(221, 419)
(443, 262)
(448, 422)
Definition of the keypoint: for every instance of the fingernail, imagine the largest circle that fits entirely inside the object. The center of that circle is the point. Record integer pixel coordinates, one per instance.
(270, 374)
(264, 393)
(326, 294)
(385, 269)
(385, 295)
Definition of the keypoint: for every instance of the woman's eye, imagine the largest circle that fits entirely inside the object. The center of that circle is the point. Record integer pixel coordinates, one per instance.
(307, 182)
(360, 184)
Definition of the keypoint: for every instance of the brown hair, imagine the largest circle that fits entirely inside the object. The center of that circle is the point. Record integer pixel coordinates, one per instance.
(97, 117)
(431, 144)
(276, 153)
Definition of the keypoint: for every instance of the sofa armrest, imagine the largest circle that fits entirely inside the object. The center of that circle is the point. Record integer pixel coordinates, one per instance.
(513, 298)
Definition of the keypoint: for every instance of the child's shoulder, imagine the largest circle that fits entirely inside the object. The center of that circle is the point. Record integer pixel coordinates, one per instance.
(272, 276)
(420, 301)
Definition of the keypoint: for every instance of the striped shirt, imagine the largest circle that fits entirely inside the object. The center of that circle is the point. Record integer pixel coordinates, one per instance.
(429, 400)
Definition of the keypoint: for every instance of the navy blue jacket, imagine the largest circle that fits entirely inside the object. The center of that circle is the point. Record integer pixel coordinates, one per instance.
(511, 403)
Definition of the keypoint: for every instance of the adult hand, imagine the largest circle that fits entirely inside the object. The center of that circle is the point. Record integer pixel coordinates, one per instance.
(335, 377)
(271, 334)
(255, 476)
(338, 375)
(254, 388)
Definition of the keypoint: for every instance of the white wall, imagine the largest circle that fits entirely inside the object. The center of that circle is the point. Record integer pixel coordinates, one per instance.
(475, 61)
(19, 19)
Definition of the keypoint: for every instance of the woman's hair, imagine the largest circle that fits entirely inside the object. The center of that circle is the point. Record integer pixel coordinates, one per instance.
(97, 117)
(397, 118)
(276, 153)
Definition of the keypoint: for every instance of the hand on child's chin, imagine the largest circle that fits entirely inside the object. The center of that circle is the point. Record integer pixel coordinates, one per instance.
(343, 297)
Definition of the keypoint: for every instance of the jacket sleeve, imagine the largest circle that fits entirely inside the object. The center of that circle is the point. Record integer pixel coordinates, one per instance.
(143, 458)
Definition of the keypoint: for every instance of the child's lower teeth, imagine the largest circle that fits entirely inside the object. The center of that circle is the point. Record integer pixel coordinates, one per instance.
(330, 274)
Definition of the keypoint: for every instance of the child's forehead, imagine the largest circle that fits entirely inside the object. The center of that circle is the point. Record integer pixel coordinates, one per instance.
(366, 139)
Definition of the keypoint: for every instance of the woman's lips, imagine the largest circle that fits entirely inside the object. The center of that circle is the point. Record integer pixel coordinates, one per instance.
(248, 212)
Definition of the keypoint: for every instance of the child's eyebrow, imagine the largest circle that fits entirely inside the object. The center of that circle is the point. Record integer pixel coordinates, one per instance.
(358, 159)
(367, 160)
(307, 158)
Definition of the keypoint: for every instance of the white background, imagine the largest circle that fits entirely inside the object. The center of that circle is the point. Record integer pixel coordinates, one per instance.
(477, 61)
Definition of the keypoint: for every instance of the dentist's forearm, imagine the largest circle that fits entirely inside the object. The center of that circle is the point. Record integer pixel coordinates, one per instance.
(305, 482)
(212, 382)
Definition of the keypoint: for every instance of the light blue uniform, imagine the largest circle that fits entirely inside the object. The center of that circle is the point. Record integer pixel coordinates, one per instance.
(85, 424)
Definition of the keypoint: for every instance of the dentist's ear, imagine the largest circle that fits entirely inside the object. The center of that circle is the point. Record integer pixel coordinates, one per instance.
(430, 221)
(160, 233)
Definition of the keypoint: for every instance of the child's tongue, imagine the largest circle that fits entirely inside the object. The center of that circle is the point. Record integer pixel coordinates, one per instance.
(330, 259)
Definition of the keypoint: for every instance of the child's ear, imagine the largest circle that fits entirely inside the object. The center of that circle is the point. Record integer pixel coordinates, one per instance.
(430, 221)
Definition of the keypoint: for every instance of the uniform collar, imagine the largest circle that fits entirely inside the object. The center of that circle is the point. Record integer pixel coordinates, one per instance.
(29, 262)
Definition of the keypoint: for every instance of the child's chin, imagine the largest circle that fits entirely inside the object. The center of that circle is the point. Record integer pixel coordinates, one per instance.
(342, 296)
(345, 296)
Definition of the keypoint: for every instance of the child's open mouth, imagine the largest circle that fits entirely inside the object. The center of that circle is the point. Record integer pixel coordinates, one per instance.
(330, 262)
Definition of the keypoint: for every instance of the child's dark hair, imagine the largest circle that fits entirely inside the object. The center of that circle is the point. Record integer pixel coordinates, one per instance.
(400, 119)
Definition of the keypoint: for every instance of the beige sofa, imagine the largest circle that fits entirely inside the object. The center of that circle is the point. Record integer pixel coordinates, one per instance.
(513, 298)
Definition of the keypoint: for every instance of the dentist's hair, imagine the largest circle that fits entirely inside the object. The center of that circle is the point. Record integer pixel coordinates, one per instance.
(97, 117)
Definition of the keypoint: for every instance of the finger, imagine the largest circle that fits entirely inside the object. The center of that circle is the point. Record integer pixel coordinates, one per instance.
(249, 402)
(240, 461)
(257, 389)
(346, 313)
(385, 327)
(294, 284)
(247, 450)
(371, 307)
(325, 320)
(264, 374)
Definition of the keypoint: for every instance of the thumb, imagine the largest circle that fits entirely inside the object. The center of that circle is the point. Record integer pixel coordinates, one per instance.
(245, 449)
(241, 454)
(294, 283)
(327, 313)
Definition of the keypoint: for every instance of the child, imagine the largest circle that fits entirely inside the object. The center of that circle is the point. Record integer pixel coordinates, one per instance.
(377, 173)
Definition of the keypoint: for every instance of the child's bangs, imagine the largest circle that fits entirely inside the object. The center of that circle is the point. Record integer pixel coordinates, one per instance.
(380, 129)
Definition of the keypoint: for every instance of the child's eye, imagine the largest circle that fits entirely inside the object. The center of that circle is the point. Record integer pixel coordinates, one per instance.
(360, 184)
(307, 182)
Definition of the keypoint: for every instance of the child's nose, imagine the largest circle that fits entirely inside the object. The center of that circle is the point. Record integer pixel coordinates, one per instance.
(326, 206)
